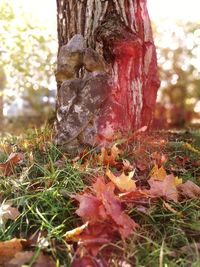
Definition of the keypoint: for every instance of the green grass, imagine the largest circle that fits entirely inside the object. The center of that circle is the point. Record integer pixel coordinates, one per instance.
(41, 191)
(162, 236)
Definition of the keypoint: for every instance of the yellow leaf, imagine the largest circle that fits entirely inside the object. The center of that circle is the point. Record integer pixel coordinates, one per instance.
(73, 235)
(123, 182)
(158, 174)
(178, 181)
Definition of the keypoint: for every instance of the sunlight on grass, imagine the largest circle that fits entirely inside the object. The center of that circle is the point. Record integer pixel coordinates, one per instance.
(42, 185)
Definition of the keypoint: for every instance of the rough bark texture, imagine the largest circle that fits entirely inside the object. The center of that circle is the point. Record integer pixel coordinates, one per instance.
(2, 84)
(120, 31)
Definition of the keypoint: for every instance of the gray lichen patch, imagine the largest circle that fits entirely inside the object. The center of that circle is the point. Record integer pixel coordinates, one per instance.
(79, 100)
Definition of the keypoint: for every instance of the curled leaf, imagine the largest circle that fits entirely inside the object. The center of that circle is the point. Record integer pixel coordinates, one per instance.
(7, 167)
(107, 158)
(74, 234)
(190, 190)
(133, 196)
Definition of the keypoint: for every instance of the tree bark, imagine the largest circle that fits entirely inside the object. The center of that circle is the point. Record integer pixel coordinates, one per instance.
(2, 84)
(120, 31)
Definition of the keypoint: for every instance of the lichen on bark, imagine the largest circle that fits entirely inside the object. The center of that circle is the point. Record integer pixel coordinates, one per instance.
(80, 100)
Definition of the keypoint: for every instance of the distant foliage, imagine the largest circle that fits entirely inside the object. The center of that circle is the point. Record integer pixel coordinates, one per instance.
(28, 53)
(179, 63)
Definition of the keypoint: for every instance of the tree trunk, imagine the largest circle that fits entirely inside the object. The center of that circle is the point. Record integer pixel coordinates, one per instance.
(120, 31)
(2, 84)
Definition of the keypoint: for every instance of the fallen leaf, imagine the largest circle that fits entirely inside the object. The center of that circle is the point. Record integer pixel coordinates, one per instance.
(189, 189)
(107, 158)
(74, 235)
(94, 236)
(106, 219)
(123, 182)
(112, 205)
(178, 181)
(159, 158)
(20, 258)
(8, 249)
(7, 212)
(134, 196)
(166, 188)
(158, 174)
(7, 167)
(90, 208)
(25, 257)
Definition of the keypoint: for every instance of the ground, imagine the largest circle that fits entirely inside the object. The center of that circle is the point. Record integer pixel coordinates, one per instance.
(45, 193)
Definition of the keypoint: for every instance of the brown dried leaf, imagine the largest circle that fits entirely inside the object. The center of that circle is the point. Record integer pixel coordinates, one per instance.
(106, 158)
(123, 182)
(6, 168)
(189, 189)
(20, 258)
(25, 257)
(8, 249)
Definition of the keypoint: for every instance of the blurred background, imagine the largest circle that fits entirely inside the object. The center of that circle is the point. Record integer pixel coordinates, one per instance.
(28, 48)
